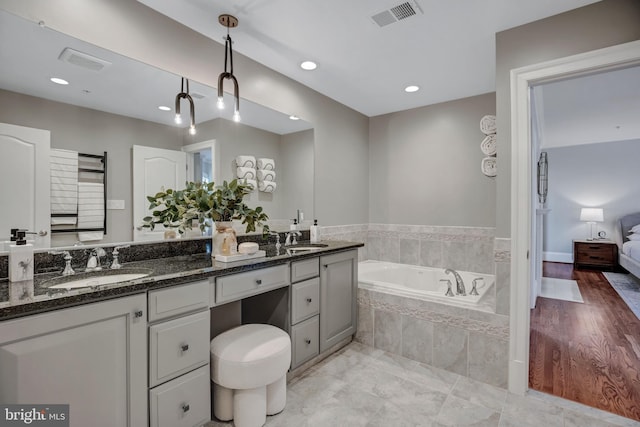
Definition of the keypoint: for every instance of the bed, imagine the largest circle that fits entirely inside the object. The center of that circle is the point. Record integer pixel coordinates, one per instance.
(630, 250)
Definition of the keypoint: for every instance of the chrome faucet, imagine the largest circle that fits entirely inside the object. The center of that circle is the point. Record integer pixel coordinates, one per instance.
(460, 290)
(275, 233)
(116, 264)
(93, 263)
(449, 293)
(291, 238)
(68, 271)
(474, 291)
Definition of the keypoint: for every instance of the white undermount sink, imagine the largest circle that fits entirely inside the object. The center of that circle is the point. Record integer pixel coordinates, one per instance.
(306, 248)
(91, 280)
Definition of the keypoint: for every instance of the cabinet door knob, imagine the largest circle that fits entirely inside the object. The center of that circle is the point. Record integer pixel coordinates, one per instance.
(258, 281)
(185, 407)
(309, 300)
(138, 313)
(308, 341)
(184, 347)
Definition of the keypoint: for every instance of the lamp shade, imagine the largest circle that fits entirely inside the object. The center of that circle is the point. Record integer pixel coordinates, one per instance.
(591, 215)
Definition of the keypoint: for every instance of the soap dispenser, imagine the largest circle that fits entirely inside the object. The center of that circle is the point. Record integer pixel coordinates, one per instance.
(294, 226)
(20, 257)
(314, 234)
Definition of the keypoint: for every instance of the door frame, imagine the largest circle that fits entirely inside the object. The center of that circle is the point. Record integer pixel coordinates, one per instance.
(522, 79)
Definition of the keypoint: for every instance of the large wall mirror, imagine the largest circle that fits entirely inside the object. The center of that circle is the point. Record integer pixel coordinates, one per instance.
(112, 103)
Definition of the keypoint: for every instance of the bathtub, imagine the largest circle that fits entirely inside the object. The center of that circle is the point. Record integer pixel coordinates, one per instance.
(421, 282)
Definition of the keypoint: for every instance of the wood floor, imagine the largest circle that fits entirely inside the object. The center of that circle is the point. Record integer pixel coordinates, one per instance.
(588, 353)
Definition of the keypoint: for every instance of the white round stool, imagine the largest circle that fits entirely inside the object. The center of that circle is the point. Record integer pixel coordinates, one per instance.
(249, 370)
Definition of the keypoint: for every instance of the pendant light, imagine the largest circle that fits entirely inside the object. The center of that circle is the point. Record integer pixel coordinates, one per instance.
(192, 110)
(229, 22)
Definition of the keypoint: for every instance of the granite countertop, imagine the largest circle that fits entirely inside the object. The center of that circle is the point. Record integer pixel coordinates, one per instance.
(163, 272)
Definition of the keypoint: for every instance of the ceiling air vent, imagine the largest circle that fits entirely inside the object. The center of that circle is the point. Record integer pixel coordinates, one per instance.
(197, 95)
(83, 60)
(397, 13)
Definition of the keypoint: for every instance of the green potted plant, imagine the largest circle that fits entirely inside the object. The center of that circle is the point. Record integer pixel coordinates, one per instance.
(179, 209)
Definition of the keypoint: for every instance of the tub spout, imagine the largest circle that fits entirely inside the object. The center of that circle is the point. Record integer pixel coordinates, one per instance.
(460, 290)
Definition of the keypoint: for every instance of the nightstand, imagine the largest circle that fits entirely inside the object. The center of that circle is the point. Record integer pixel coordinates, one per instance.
(600, 254)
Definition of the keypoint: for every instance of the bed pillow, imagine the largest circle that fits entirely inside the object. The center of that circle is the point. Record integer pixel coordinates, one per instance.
(635, 229)
(634, 236)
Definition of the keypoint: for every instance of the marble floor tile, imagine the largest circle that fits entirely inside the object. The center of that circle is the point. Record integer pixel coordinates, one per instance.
(460, 412)
(480, 393)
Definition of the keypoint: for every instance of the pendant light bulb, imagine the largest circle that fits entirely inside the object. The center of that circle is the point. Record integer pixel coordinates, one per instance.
(178, 119)
(192, 130)
(220, 103)
(236, 116)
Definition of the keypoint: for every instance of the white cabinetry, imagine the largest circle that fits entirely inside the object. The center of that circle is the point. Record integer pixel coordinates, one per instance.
(92, 357)
(338, 297)
(179, 356)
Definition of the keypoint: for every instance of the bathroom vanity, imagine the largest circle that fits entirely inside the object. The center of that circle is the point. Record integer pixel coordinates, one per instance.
(137, 353)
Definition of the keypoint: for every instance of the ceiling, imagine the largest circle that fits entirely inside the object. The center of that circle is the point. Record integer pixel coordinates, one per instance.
(447, 48)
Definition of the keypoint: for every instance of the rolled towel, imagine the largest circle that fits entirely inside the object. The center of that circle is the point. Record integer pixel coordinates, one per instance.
(246, 161)
(245, 173)
(267, 186)
(266, 175)
(266, 164)
(250, 182)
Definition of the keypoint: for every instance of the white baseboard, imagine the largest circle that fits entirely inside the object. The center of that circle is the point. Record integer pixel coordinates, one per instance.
(558, 257)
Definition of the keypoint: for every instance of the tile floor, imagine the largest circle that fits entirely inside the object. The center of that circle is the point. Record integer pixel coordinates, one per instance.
(363, 386)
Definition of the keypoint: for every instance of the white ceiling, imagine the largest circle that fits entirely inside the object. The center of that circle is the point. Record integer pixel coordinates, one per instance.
(449, 50)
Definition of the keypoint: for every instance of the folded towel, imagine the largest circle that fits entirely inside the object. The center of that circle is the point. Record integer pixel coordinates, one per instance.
(266, 175)
(246, 161)
(90, 210)
(63, 166)
(64, 220)
(250, 182)
(267, 164)
(267, 186)
(245, 173)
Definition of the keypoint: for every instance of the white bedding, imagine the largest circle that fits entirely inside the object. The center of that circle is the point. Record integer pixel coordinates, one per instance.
(632, 249)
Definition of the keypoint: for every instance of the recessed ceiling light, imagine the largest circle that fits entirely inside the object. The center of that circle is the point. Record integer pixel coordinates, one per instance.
(308, 65)
(59, 81)
(164, 108)
(412, 88)
(294, 117)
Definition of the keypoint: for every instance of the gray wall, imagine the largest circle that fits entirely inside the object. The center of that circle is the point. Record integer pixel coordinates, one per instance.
(131, 29)
(93, 132)
(425, 166)
(605, 175)
(599, 25)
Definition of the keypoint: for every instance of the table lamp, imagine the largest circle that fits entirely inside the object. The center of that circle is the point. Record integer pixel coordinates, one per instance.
(591, 216)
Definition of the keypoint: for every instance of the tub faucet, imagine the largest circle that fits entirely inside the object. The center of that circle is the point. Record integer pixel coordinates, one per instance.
(460, 290)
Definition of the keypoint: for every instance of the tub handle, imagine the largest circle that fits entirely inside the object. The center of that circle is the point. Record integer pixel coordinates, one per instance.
(474, 291)
(449, 292)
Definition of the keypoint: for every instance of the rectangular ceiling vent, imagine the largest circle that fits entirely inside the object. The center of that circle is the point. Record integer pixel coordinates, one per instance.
(397, 13)
(83, 60)
(197, 95)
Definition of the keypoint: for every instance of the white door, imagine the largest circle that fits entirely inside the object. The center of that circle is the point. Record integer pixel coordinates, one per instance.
(154, 169)
(93, 358)
(25, 182)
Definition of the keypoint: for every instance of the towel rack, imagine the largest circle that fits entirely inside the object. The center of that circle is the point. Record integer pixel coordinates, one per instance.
(103, 173)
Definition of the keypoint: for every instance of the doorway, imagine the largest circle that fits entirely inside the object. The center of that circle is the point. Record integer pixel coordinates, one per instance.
(522, 220)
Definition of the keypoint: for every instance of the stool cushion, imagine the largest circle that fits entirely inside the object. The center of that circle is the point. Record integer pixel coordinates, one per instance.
(250, 356)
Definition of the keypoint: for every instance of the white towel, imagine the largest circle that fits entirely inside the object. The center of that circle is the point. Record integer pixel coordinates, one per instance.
(266, 175)
(90, 210)
(245, 173)
(267, 186)
(250, 182)
(246, 161)
(267, 164)
(63, 166)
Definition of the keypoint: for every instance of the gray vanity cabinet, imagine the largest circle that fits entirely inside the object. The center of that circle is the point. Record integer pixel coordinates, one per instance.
(92, 357)
(338, 293)
(305, 307)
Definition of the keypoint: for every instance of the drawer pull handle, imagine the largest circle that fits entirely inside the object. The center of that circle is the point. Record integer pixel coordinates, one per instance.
(184, 347)
(594, 247)
(258, 281)
(307, 341)
(309, 300)
(138, 313)
(594, 257)
(185, 407)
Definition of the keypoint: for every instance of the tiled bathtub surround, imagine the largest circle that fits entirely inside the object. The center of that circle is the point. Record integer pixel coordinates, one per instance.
(468, 342)
(502, 255)
(460, 248)
(350, 233)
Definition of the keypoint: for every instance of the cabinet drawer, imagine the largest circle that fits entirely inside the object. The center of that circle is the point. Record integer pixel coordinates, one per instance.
(178, 346)
(305, 337)
(594, 253)
(305, 300)
(169, 302)
(182, 402)
(301, 270)
(242, 285)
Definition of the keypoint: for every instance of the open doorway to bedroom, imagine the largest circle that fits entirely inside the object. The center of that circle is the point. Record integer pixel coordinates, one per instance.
(585, 310)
